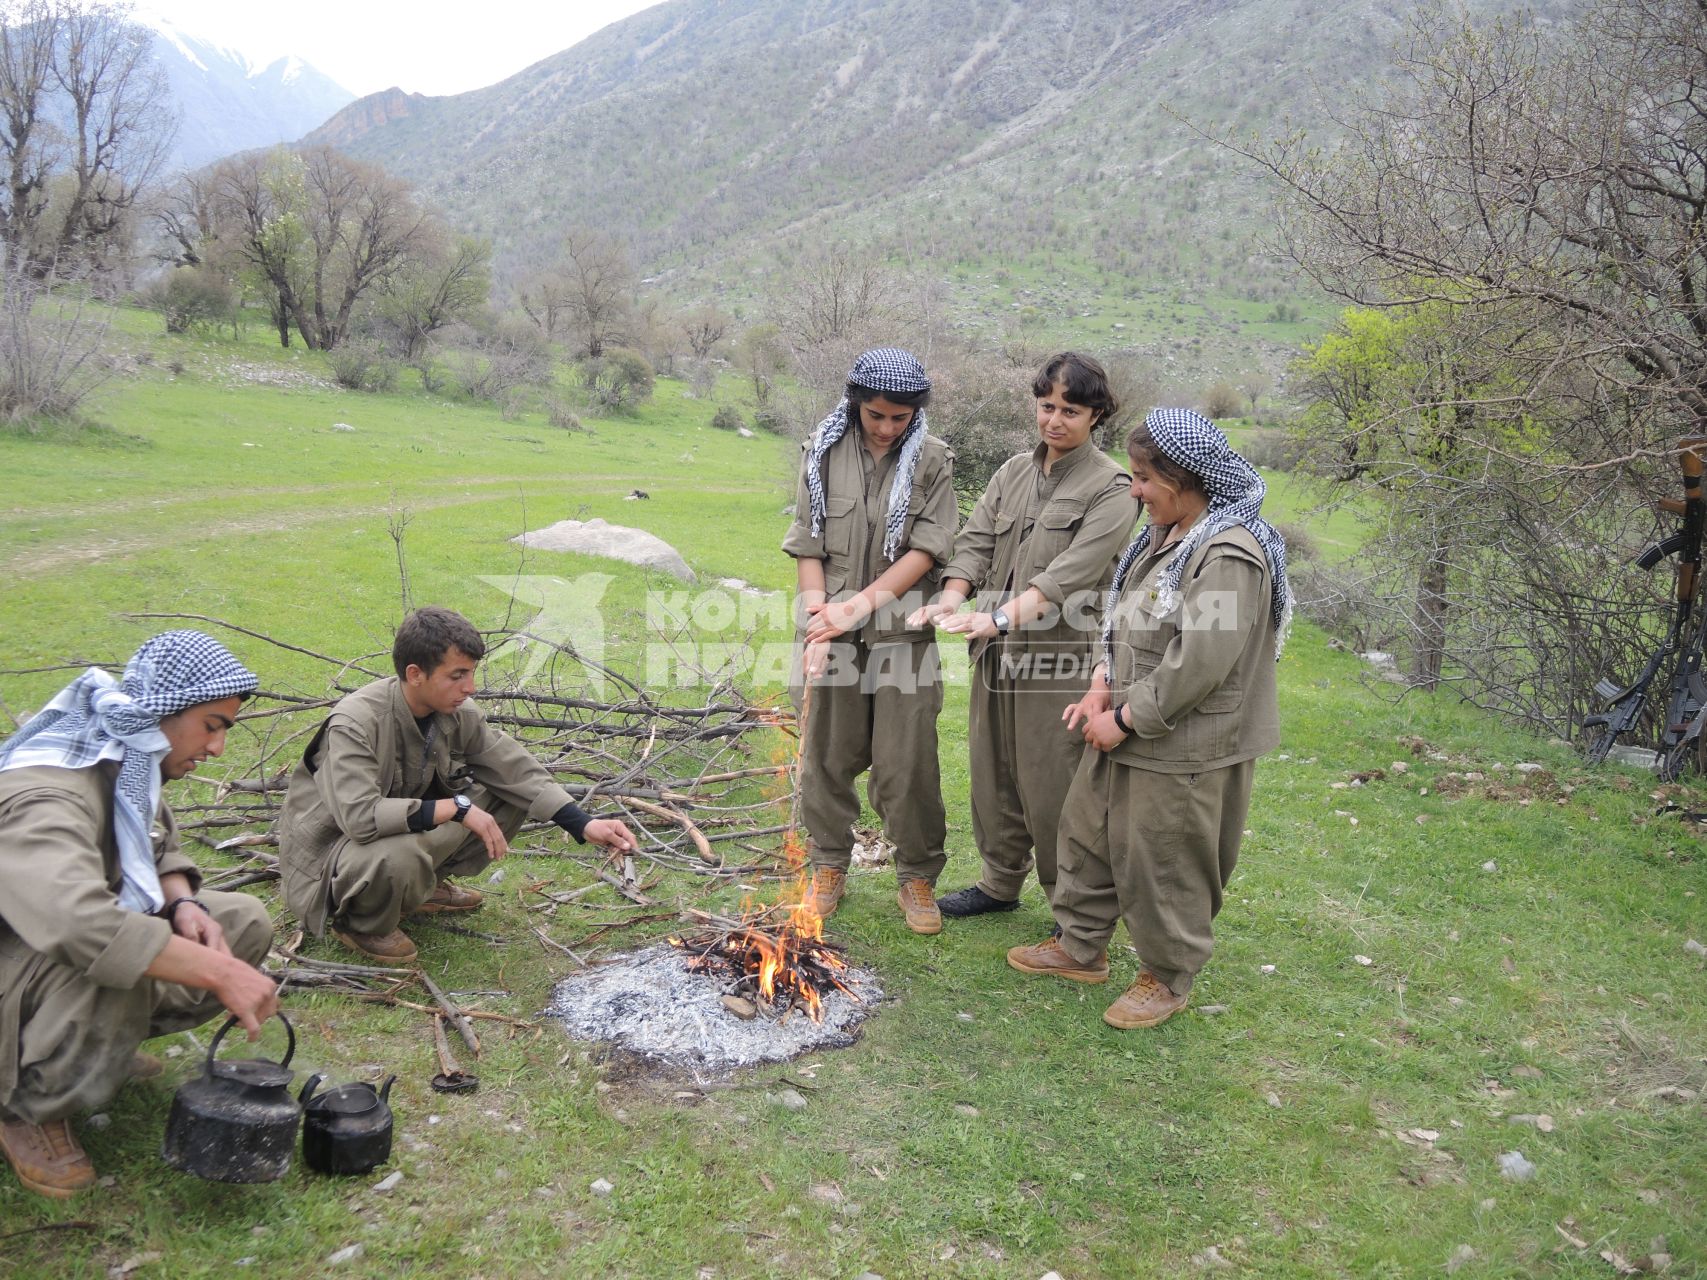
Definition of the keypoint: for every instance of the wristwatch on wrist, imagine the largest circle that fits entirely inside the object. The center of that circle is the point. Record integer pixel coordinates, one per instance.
(1000, 618)
(463, 805)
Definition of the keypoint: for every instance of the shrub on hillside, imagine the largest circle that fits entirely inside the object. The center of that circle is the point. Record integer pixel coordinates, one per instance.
(618, 380)
(1222, 400)
(1300, 543)
(561, 414)
(728, 418)
(496, 364)
(1276, 449)
(360, 366)
(50, 350)
(192, 298)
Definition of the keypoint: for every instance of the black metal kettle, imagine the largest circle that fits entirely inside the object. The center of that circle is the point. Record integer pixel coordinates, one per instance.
(236, 1122)
(346, 1129)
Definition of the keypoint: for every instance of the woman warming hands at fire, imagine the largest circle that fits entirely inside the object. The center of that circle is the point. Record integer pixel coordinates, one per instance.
(1179, 709)
(874, 522)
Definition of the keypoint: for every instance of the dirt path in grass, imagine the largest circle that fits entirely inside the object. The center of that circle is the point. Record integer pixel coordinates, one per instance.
(94, 547)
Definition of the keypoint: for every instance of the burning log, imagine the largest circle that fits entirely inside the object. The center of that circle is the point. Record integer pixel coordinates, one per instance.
(781, 964)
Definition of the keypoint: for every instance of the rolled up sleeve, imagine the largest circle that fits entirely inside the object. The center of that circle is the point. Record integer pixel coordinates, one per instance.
(800, 541)
(1198, 660)
(976, 543)
(933, 523)
(57, 897)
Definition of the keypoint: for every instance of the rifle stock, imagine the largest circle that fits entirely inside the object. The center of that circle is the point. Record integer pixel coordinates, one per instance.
(1686, 710)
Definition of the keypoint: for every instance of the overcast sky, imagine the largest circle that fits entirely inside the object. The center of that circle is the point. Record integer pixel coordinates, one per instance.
(424, 46)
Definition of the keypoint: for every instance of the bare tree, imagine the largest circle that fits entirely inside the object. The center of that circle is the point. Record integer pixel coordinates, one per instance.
(704, 327)
(586, 296)
(435, 288)
(831, 297)
(87, 120)
(1542, 188)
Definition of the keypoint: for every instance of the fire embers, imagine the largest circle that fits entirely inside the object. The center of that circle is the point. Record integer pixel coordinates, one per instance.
(782, 964)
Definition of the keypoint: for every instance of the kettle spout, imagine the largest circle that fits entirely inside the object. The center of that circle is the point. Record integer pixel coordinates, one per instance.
(385, 1089)
(309, 1088)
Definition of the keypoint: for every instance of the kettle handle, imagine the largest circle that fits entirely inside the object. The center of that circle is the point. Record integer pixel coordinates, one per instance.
(385, 1089)
(309, 1088)
(290, 1045)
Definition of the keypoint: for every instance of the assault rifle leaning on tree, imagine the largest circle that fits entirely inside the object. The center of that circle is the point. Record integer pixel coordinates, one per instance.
(1686, 705)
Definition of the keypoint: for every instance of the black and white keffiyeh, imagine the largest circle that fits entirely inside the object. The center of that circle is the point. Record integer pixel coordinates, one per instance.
(1236, 492)
(97, 718)
(880, 369)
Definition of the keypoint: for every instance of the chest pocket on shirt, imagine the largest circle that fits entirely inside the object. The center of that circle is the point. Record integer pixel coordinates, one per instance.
(1056, 525)
(838, 526)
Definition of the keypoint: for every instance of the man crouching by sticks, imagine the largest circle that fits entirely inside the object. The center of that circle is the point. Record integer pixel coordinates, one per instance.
(103, 939)
(405, 786)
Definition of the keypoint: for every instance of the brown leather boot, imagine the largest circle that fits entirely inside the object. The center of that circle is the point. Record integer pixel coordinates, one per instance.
(918, 905)
(47, 1158)
(824, 894)
(1146, 1003)
(450, 897)
(392, 948)
(1049, 957)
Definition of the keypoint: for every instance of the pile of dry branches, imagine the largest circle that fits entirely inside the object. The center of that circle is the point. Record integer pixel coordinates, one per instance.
(691, 781)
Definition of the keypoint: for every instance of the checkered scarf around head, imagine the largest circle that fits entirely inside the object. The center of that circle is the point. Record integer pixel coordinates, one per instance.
(880, 369)
(1235, 493)
(97, 718)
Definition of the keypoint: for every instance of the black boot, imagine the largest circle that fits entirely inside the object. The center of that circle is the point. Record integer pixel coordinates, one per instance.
(972, 901)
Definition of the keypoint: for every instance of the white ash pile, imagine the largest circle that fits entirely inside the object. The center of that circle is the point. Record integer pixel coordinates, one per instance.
(651, 1003)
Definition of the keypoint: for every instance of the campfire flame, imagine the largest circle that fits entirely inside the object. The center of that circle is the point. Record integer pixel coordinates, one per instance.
(789, 964)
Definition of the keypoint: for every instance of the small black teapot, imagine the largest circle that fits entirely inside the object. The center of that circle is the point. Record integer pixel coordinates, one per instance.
(236, 1122)
(346, 1129)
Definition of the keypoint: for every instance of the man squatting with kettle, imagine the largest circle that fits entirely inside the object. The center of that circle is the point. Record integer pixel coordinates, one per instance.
(106, 937)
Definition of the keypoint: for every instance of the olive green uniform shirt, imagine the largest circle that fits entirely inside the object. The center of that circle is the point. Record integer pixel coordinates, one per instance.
(877, 706)
(369, 769)
(1060, 533)
(75, 998)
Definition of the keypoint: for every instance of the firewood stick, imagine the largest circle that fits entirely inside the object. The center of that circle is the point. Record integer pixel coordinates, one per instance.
(633, 895)
(441, 1043)
(451, 1012)
(706, 852)
(548, 941)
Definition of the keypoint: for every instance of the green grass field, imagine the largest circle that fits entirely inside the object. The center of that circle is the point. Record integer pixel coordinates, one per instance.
(1408, 958)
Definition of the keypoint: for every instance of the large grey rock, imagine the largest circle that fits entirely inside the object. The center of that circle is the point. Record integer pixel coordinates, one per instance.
(613, 541)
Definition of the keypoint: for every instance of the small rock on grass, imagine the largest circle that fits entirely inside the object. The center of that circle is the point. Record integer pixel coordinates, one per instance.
(793, 1099)
(1542, 1122)
(1460, 1256)
(1695, 948)
(389, 1183)
(1515, 1167)
(349, 1253)
(1211, 1010)
(600, 1187)
(965, 1109)
(1050, 1275)
(1490, 865)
